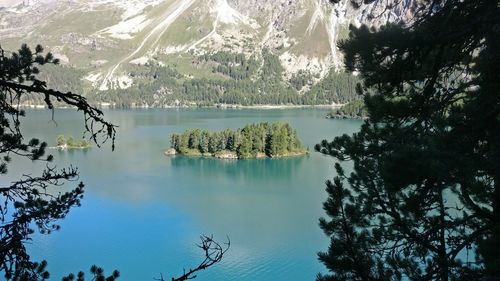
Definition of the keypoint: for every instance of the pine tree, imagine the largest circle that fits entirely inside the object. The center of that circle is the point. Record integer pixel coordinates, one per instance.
(424, 191)
(29, 204)
(194, 139)
(71, 141)
(61, 140)
(204, 139)
(245, 148)
(212, 146)
(184, 142)
(175, 142)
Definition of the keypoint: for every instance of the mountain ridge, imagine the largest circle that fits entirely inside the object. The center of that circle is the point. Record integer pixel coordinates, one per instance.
(105, 39)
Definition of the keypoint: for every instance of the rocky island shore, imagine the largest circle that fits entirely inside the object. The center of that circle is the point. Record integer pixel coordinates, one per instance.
(263, 140)
(64, 143)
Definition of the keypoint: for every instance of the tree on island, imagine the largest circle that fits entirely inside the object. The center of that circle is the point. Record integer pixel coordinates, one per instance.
(354, 109)
(255, 140)
(423, 200)
(70, 142)
(61, 140)
(34, 203)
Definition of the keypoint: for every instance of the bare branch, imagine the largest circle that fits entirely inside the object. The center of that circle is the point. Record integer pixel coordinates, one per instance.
(214, 252)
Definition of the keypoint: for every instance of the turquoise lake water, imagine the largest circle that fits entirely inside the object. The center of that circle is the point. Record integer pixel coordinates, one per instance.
(143, 212)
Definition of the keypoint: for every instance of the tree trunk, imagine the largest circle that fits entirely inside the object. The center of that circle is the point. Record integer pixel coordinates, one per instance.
(443, 260)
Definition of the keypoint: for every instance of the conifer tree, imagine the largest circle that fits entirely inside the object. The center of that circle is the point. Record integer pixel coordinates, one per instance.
(245, 148)
(424, 194)
(33, 202)
(61, 140)
(204, 140)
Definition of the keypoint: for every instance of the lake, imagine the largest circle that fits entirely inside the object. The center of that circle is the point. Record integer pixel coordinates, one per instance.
(143, 212)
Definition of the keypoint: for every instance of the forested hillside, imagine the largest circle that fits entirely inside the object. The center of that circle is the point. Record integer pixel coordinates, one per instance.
(233, 79)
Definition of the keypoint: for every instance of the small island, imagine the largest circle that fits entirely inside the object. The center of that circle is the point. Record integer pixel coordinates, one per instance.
(71, 143)
(352, 110)
(261, 140)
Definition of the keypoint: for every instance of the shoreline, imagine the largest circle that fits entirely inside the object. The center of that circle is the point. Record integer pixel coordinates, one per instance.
(276, 106)
(215, 106)
(345, 117)
(66, 147)
(232, 155)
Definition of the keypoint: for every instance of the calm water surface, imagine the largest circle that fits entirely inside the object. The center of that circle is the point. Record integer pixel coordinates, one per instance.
(143, 212)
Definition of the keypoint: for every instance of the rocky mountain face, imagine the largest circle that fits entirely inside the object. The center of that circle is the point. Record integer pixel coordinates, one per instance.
(105, 38)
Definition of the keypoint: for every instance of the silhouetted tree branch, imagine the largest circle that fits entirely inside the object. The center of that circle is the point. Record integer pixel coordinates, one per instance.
(424, 188)
(214, 252)
(97, 274)
(31, 203)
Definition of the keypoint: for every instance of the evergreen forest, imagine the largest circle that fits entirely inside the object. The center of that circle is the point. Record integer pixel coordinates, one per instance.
(235, 79)
(276, 139)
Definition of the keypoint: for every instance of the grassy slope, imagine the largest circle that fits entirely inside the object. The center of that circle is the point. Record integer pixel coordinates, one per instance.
(192, 25)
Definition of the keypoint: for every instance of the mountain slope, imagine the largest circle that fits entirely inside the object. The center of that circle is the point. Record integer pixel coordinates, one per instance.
(106, 39)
